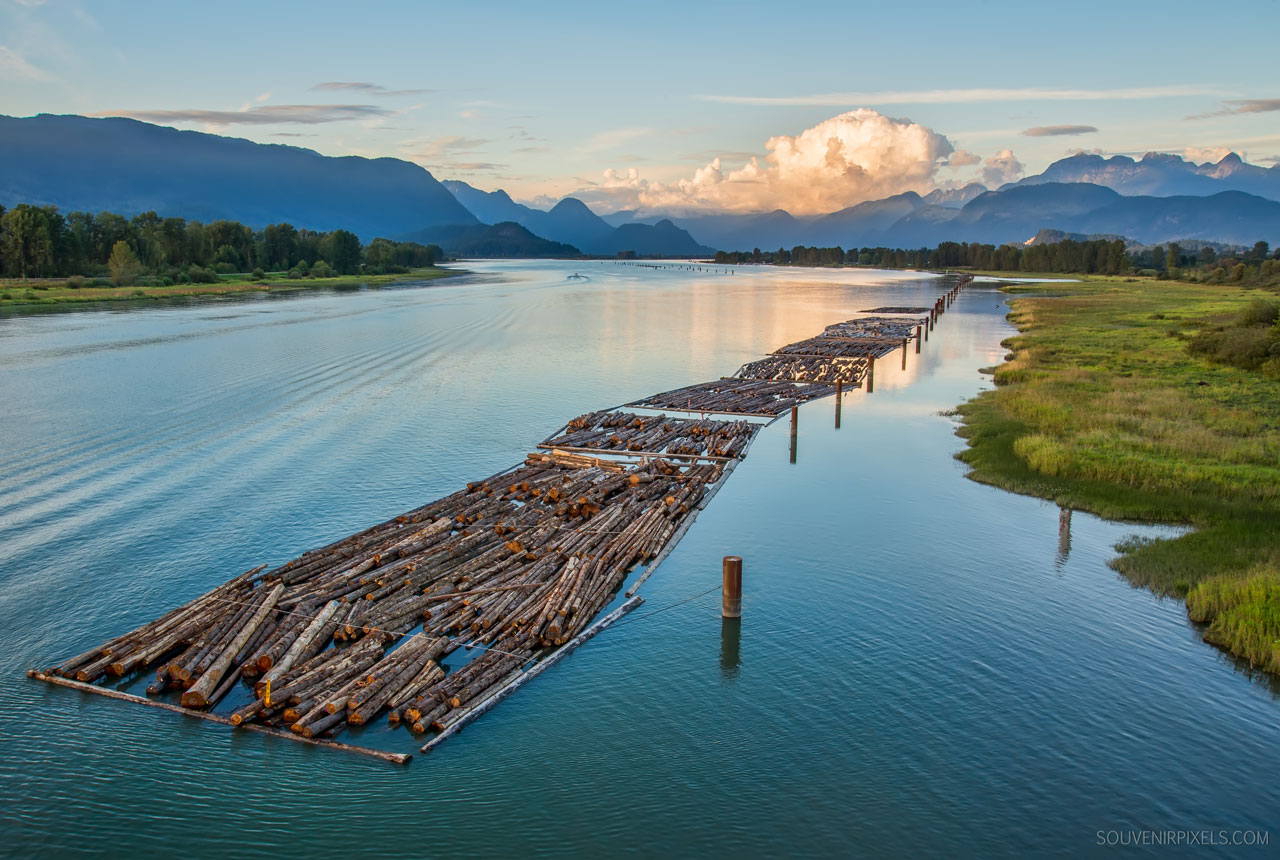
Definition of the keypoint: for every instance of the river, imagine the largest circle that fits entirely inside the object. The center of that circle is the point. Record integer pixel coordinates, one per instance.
(924, 665)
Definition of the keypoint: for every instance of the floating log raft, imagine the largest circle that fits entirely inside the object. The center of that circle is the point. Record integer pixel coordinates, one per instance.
(519, 564)
(626, 432)
(516, 565)
(840, 347)
(753, 397)
(807, 368)
(892, 328)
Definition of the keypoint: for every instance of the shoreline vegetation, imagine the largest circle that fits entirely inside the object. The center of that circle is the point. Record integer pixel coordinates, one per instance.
(49, 258)
(38, 294)
(1151, 400)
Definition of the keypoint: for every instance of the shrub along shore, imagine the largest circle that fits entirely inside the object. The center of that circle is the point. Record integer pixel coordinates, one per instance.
(1159, 401)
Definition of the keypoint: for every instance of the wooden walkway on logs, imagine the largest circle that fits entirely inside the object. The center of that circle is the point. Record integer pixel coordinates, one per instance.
(517, 565)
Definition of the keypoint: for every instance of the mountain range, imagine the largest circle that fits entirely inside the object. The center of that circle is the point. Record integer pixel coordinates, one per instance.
(126, 166)
(572, 222)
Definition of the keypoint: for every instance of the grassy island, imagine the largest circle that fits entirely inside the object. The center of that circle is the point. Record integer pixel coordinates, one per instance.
(1152, 400)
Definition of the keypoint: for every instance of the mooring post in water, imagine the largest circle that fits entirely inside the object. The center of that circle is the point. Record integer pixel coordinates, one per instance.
(917, 340)
(839, 397)
(795, 421)
(904, 353)
(871, 373)
(731, 599)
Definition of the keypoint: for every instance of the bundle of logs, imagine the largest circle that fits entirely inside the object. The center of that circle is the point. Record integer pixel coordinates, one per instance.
(840, 347)
(515, 565)
(656, 434)
(806, 368)
(737, 397)
(892, 328)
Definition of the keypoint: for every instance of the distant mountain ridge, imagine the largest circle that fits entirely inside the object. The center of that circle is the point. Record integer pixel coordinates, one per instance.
(572, 222)
(504, 239)
(1159, 174)
(125, 166)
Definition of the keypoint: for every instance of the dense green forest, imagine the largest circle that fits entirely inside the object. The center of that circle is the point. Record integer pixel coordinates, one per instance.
(41, 242)
(1256, 265)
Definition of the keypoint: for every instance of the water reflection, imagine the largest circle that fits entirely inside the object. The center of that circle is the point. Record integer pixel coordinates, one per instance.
(730, 642)
(1064, 537)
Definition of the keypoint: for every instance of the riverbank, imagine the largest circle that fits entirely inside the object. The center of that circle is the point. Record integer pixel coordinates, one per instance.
(1101, 407)
(25, 294)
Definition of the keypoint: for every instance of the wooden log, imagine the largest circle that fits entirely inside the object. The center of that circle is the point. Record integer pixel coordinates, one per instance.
(525, 677)
(396, 758)
(198, 695)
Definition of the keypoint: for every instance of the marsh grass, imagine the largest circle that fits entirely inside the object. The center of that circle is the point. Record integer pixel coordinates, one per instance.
(1103, 407)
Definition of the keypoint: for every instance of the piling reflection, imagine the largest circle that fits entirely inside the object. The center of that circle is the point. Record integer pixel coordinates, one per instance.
(730, 642)
(1064, 536)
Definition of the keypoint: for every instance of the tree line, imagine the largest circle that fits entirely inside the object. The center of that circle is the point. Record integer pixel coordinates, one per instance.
(1257, 265)
(41, 242)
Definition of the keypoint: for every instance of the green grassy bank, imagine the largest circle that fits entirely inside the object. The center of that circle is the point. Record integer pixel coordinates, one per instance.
(36, 293)
(1101, 406)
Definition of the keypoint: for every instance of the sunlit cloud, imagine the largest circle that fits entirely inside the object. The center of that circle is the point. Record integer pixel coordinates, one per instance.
(264, 115)
(856, 156)
(1001, 168)
(963, 158)
(1058, 130)
(365, 88)
(905, 97)
(1202, 154)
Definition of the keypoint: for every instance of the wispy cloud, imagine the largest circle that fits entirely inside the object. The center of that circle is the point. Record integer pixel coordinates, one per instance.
(1058, 130)
(1233, 106)
(14, 65)
(993, 94)
(607, 140)
(365, 88)
(264, 115)
(452, 145)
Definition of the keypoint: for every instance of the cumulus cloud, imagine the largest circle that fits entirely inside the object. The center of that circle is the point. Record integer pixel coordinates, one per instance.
(264, 115)
(1058, 130)
(963, 158)
(366, 88)
(1001, 168)
(856, 156)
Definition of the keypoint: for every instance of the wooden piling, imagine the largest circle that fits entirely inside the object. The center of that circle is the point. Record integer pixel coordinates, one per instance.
(919, 337)
(904, 354)
(871, 373)
(731, 588)
(795, 422)
(839, 398)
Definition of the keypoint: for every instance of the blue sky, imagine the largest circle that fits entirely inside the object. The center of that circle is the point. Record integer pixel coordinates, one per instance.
(542, 99)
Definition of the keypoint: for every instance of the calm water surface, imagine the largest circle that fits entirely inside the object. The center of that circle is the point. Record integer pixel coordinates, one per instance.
(923, 666)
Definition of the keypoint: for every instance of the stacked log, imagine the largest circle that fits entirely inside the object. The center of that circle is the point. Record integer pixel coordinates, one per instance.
(806, 368)
(737, 397)
(891, 328)
(840, 347)
(655, 434)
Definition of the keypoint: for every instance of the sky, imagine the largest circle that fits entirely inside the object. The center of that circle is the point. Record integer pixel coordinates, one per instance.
(673, 106)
